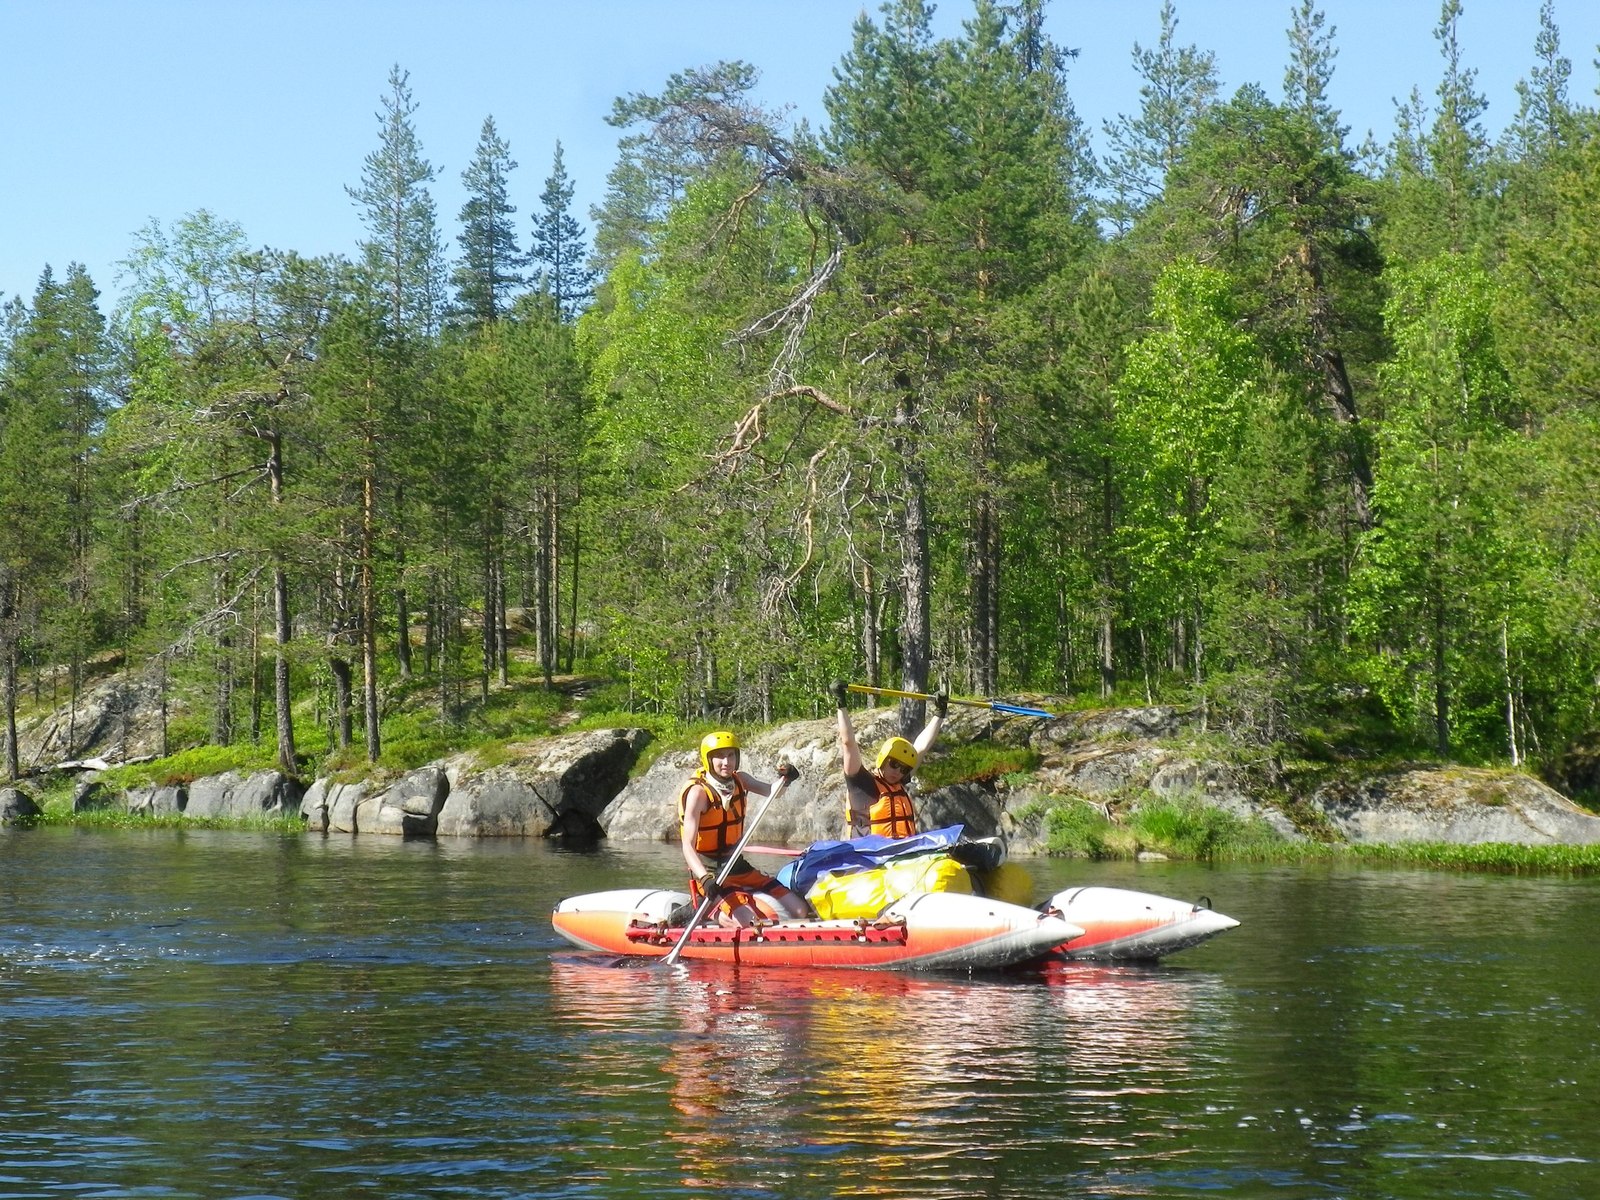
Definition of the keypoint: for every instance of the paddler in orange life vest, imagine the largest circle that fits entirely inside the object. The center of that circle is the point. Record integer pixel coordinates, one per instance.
(877, 801)
(711, 814)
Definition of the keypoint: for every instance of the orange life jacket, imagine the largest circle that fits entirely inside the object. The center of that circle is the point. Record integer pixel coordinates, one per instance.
(891, 813)
(720, 827)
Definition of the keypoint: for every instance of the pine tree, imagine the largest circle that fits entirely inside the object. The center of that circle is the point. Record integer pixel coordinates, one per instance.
(1309, 75)
(1436, 180)
(558, 246)
(51, 403)
(403, 253)
(1546, 122)
(404, 259)
(1179, 85)
(491, 265)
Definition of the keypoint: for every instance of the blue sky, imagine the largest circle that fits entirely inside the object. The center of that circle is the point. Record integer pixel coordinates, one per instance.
(114, 112)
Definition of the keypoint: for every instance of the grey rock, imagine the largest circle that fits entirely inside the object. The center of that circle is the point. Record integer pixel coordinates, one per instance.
(90, 795)
(557, 787)
(1454, 805)
(408, 808)
(810, 809)
(118, 719)
(979, 806)
(153, 800)
(235, 795)
(344, 801)
(1139, 724)
(16, 805)
(314, 806)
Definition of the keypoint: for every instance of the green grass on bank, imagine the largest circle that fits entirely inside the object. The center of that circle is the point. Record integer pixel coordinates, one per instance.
(1190, 830)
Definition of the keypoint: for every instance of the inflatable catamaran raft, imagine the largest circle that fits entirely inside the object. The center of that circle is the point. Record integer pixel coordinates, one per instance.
(918, 930)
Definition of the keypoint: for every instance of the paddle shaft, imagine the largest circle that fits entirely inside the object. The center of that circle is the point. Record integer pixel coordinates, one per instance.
(868, 689)
(710, 898)
(1015, 710)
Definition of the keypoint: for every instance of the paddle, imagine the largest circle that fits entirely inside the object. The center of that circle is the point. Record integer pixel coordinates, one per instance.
(709, 900)
(1010, 710)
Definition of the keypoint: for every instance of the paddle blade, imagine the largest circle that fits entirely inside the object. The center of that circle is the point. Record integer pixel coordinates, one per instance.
(1018, 710)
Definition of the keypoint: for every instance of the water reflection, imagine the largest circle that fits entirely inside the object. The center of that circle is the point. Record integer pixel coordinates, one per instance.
(900, 1076)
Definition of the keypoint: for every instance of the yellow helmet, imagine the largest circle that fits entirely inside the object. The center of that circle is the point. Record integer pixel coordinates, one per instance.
(898, 750)
(712, 742)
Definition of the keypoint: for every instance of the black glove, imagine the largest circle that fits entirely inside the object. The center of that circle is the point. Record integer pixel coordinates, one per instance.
(788, 772)
(941, 700)
(840, 692)
(708, 883)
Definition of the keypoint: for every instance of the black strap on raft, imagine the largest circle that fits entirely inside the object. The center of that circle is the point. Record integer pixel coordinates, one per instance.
(978, 854)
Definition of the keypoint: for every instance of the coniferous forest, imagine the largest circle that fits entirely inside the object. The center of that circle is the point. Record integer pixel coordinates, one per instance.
(1234, 414)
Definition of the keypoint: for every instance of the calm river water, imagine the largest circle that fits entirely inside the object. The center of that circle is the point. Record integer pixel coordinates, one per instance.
(208, 1014)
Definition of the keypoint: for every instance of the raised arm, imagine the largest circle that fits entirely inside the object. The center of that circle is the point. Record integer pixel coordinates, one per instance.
(849, 750)
(930, 731)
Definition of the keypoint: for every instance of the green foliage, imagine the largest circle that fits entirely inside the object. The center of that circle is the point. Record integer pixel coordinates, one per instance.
(1183, 403)
(188, 765)
(1190, 828)
(1076, 827)
(974, 761)
(1186, 828)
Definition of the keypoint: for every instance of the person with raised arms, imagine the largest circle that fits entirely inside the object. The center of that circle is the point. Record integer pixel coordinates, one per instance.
(877, 800)
(711, 817)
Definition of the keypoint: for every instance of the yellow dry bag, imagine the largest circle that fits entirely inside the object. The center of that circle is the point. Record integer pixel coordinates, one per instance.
(867, 893)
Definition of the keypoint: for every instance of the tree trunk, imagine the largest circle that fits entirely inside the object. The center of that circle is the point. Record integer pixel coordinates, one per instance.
(572, 585)
(1336, 389)
(281, 698)
(871, 651)
(502, 634)
(282, 630)
(222, 713)
(166, 746)
(8, 610)
(486, 632)
(1441, 684)
(916, 572)
(985, 556)
(343, 692)
(369, 621)
(442, 620)
(402, 602)
(430, 624)
(1108, 583)
(255, 672)
(549, 621)
(1511, 695)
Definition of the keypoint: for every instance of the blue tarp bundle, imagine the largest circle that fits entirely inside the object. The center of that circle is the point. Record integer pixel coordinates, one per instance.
(859, 854)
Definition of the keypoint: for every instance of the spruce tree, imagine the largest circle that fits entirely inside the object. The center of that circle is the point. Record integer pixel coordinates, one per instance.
(558, 246)
(490, 268)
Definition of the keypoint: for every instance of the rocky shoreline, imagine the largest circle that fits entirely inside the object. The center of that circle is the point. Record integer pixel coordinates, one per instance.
(582, 787)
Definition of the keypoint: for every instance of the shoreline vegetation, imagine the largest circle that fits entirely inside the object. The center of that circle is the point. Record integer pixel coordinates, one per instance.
(1159, 831)
(1135, 826)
